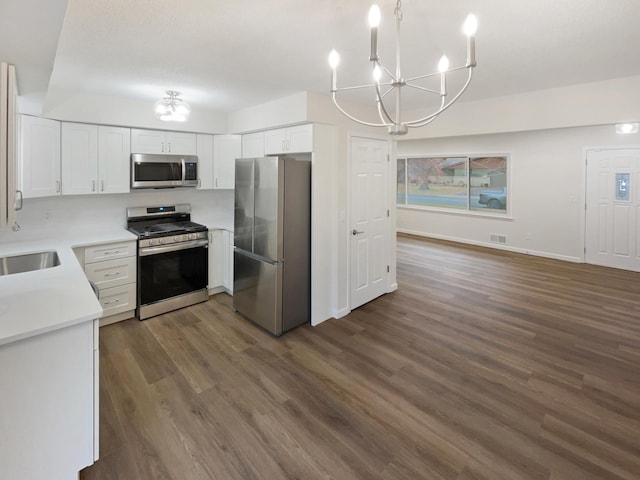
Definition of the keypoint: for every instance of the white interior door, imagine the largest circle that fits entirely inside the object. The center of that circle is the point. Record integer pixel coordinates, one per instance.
(612, 236)
(369, 248)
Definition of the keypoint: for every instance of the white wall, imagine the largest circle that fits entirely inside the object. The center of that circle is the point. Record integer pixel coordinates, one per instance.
(597, 103)
(546, 186)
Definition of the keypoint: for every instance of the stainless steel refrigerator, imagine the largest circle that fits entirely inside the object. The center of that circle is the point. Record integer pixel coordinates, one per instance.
(272, 241)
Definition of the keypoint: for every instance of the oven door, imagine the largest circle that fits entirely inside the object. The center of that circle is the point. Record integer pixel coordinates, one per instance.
(165, 272)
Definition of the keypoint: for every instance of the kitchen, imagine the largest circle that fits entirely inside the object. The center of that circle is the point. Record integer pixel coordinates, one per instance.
(64, 221)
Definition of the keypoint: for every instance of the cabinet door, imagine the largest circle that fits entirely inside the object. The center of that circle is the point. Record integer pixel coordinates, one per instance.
(275, 141)
(289, 140)
(300, 138)
(205, 161)
(114, 153)
(79, 158)
(180, 143)
(215, 259)
(40, 157)
(47, 404)
(227, 253)
(226, 148)
(147, 141)
(253, 145)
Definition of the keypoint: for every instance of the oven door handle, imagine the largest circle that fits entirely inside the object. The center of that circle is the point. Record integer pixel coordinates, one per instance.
(173, 248)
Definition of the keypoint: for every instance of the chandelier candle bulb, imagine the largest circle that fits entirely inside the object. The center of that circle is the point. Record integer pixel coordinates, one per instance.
(470, 29)
(374, 21)
(443, 66)
(334, 60)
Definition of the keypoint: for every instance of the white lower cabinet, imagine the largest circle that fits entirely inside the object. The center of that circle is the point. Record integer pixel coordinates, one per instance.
(111, 267)
(220, 261)
(49, 404)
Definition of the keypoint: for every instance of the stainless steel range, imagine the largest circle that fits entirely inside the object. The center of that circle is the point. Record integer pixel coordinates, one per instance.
(173, 258)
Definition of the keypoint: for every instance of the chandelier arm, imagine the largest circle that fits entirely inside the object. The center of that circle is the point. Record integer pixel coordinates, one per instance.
(342, 89)
(386, 93)
(428, 90)
(381, 105)
(423, 121)
(351, 117)
(387, 71)
(449, 70)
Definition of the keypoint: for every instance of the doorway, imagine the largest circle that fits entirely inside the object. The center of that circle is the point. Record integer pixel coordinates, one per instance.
(370, 224)
(612, 224)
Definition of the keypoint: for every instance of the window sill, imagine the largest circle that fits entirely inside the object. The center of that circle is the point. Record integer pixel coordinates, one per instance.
(465, 213)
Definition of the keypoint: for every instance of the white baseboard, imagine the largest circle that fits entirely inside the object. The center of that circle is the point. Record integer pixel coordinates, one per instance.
(508, 248)
(343, 312)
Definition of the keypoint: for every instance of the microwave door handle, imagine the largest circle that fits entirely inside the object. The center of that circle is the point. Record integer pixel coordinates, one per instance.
(184, 171)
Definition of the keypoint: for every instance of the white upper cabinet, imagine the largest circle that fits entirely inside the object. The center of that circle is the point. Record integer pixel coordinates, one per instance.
(95, 159)
(79, 158)
(160, 141)
(226, 148)
(205, 161)
(289, 140)
(39, 157)
(114, 154)
(253, 145)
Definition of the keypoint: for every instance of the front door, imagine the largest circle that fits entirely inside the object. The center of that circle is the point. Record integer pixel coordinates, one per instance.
(369, 247)
(612, 237)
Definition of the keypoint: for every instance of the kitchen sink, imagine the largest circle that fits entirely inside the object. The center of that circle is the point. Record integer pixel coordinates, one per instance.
(28, 262)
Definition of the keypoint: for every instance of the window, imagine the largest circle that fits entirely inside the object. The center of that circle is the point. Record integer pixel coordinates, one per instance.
(466, 183)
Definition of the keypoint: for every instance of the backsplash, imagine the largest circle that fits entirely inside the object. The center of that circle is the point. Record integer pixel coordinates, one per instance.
(42, 216)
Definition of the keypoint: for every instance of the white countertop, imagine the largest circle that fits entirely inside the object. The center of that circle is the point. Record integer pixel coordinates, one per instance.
(41, 301)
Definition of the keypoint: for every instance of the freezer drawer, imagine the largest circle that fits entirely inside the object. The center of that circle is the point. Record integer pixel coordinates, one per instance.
(257, 291)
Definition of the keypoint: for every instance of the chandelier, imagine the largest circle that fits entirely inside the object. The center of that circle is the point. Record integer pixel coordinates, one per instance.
(171, 108)
(395, 82)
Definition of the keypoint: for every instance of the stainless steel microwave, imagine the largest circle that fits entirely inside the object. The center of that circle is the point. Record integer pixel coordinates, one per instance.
(163, 171)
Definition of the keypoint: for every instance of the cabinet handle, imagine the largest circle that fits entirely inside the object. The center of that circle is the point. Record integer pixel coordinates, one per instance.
(162, 143)
(169, 143)
(102, 185)
(111, 274)
(20, 197)
(115, 252)
(216, 182)
(112, 301)
(93, 185)
(199, 182)
(58, 186)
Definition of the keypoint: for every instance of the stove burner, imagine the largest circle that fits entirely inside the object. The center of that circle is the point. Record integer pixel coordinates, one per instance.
(155, 224)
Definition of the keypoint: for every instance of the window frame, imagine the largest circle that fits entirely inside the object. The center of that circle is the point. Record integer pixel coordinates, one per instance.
(507, 214)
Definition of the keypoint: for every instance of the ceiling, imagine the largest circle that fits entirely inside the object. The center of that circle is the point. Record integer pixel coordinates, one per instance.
(228, 55)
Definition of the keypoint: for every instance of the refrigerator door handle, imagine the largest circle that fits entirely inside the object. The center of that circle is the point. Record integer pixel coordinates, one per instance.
(255, 256)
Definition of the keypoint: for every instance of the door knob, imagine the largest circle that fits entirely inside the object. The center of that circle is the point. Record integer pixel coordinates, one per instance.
(355, 232)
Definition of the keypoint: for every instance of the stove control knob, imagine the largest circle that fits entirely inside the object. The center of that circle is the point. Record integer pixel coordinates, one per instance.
(192, 236)
(176, 238)
(161, 241)
(152, 242)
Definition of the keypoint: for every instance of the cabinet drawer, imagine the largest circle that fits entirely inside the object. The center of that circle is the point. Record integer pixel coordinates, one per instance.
(118, 299)
(111, 273)
(98, 253)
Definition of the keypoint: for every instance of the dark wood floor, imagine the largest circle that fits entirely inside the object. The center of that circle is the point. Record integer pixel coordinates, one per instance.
(484, 365)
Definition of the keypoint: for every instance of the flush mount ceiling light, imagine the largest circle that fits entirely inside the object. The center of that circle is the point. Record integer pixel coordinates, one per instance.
(626, 128)
(394, 82)
(171, 108)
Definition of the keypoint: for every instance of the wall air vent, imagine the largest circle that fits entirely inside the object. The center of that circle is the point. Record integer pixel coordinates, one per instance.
(495, 238)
